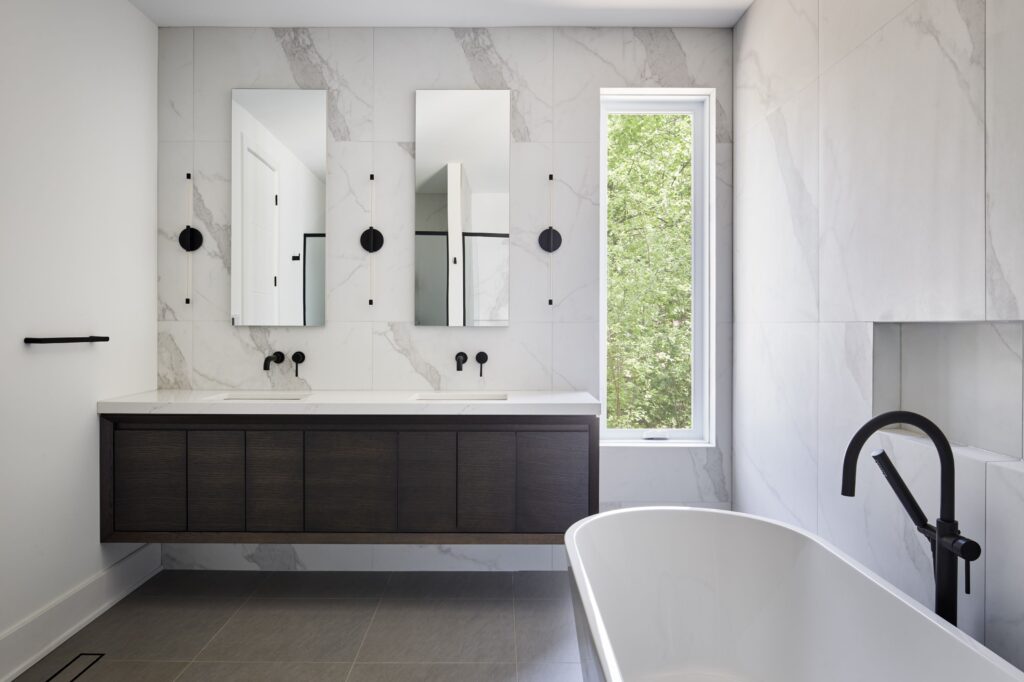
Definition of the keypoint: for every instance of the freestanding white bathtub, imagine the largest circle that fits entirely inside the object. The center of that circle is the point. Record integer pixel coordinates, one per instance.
(671, 593)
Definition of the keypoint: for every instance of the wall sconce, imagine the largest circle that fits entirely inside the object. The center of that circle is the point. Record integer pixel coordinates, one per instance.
(372, 239)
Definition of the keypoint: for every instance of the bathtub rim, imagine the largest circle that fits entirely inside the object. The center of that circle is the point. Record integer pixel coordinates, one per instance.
(606, 654)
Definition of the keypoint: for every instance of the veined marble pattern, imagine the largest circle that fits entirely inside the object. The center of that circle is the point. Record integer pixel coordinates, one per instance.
(337, 59)
(1005, 160)
(967, 378)
(211, 209)
(776, 421)
(897, 243)
(575, 265)
(175, 66)
(686, 475)
(587, 59)
(1004, 600)
(364, 557)
(174, 354)
(175, 160)
(410, 59)
(531, 267)
(845, 25)
(770, 70)
(776, 247)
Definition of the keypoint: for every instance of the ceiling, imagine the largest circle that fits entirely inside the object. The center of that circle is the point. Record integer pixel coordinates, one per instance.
(675, 13)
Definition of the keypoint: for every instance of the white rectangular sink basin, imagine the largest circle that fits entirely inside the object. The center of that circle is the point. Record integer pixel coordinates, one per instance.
(262, 395)
(460, 396)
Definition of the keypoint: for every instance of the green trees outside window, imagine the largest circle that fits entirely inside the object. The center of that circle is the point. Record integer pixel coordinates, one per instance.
(650, 271)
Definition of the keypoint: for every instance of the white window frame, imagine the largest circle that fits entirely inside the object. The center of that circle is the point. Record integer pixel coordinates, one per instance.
(699, 103)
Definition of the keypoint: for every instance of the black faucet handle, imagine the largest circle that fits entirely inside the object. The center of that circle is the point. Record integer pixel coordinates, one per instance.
(298, 357)
(481, 358)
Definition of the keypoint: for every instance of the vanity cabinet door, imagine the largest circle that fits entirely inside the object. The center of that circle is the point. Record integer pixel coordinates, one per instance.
(487, 482)
(552, 480)
(351, 481)
(216, 480)
(273, 481)
(426, 481)
(149, 480)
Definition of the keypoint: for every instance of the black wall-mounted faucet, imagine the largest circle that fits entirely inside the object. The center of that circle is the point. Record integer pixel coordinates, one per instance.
(946, 542)
(275, 357)
(460, 359)
(298, 357)
(481, 357)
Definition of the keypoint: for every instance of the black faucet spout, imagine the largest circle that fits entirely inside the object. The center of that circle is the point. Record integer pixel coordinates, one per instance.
(275, 357)
(946, 542)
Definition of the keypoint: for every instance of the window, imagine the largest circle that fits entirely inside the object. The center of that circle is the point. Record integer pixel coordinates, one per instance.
(657, 209)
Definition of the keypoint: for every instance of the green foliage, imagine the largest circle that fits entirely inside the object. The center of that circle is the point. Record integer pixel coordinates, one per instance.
(650, 271)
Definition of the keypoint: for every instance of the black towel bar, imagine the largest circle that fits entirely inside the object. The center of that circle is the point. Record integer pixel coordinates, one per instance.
(29, 340)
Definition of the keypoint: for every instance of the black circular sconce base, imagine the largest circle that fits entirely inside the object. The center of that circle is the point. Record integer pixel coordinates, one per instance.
(190, 239)
(371, 239)
(550, 240)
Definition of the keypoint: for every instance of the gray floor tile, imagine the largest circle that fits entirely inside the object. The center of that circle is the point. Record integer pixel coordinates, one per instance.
(433, 672)
(323, 584)
(265, 671)
(542, 585)
(551, 672)
(132, 671)
(440, 631)
(546, 632)
(450, 585)
(147, 629)
(202, 584)
(281, 629)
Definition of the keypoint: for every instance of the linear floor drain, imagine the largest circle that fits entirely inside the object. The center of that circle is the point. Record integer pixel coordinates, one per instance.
(74, 668)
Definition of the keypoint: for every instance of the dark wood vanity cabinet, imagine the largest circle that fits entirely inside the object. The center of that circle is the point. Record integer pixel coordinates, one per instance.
(328, 479)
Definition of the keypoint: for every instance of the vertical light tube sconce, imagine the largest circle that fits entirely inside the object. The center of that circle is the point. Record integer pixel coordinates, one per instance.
(550, 239)
(371, 239)
(189, 238)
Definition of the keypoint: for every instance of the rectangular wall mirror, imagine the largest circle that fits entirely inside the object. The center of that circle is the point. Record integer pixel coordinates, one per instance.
(462, 223)
(278, 175)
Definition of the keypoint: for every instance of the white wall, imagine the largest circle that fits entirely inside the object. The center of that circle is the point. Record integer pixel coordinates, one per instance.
(865, 194)
(78, 214)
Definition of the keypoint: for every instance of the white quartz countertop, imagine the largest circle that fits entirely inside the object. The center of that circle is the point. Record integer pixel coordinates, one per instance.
(517, 403)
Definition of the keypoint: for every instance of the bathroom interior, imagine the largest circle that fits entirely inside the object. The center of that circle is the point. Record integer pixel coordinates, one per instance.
(595, 340)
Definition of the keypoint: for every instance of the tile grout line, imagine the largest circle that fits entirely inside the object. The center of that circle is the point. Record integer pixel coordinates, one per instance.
(369, 625)
(515, 636)
(195, 658)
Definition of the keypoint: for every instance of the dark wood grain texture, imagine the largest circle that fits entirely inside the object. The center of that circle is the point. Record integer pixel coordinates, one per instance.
(427, 481)
(106, 478)
(552, 481)
(487, 482)
(351, 481)
(216, 480)
(149, 480)
(273, 481)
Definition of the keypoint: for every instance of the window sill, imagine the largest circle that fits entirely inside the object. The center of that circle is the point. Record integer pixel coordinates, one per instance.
(641, 443)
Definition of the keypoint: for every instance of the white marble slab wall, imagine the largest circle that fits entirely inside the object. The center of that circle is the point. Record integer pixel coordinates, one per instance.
(878, 163)
(555, 75)
(371, 76)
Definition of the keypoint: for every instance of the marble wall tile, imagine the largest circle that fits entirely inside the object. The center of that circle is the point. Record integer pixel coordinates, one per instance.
(339, 60)
(211, 214)
(1004, 549)
(337, 358)
(588, 59)
(893, 245)
(775, 421)
(776, 244)
(723, 255)
(530, 194)
(174, 161)
(410, 59)
(770, 69)
(575, 266)
(1004, 268)
(663, 475)
(576, 348)
(406, 356)
(174, 355)
(348, 190)
(886, 373)
(174, 83)
(967, 378)
(845, 25)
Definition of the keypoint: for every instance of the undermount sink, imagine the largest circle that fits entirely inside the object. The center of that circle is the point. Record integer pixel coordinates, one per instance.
(460, 395)
(262, 395)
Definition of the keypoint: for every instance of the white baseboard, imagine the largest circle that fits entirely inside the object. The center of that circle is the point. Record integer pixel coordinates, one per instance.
(36, 635)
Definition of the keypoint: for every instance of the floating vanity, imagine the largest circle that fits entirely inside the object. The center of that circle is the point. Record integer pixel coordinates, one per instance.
(347, 466)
